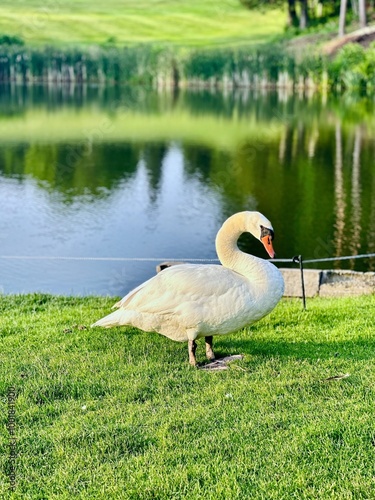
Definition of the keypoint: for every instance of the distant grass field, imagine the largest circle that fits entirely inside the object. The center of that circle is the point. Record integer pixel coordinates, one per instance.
(120, 414)
(179, 22)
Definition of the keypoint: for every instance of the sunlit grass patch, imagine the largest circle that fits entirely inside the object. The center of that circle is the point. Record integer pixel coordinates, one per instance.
(178, 22)
(119, 413)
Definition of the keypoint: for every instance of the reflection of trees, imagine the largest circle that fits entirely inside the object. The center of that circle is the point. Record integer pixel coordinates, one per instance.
(301, 190)
(153, 156)
(371, 226)
(200, 161)
(76, 169)
(314, 135)
(19, 99)
(70, 169)
(303, 178)
(355, 242)
(286, 144)
(254, 178)
(339, 193)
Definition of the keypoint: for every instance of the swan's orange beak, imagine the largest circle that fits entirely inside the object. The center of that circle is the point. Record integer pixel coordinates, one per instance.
(267, 242)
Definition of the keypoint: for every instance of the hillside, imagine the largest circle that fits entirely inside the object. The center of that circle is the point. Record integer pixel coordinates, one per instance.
(178, 22)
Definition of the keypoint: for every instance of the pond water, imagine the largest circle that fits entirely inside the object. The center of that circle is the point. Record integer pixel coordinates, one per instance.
(132, 173)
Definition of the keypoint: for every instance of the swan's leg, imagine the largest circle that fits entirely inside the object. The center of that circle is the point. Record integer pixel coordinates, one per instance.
(209, 352)
(192, 346)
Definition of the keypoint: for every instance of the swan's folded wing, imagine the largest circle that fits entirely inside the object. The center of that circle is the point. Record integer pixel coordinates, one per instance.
(185, 286)
(129, 296)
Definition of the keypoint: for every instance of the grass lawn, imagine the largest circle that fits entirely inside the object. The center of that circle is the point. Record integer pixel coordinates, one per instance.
(120, 414)
(180, 22)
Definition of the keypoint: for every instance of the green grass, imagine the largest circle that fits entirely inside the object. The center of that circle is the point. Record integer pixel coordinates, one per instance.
(180, 22)
(120, 414)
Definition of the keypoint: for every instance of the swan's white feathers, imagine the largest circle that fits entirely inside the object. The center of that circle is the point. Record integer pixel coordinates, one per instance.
(128, 297)
(187, 287)
(188, 301)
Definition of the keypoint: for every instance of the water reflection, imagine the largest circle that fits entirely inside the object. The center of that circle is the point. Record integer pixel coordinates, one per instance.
(142, 215)
(339, 193)
(356, 193)
(163, 191)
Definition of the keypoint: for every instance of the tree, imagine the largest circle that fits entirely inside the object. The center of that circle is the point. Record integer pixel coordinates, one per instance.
(292, 13)
(304, 17)
(293, 19)
(362, 13)
(342, 17)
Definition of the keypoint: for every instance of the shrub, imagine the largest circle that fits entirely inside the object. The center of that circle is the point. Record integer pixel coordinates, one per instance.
(11, 40)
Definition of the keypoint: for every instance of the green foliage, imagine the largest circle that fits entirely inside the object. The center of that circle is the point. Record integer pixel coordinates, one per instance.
(311, 66)
(120, 414)
(241, 67)
(349, 56)
(318, 14)
(11, 40)
(261, 4)
(136, 64)
(208, 64)
(367, 67)
(352, 69)
(95, 41)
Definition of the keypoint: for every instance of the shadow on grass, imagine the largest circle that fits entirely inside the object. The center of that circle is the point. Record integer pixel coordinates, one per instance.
(358, 349)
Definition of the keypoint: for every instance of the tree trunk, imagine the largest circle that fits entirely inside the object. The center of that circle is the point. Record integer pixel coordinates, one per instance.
(342, 17)
(292, 14)
(362, 13)
(304, 19)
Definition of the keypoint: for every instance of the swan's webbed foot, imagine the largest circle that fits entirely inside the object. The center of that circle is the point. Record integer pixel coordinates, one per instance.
(209, 352)
(192, 346)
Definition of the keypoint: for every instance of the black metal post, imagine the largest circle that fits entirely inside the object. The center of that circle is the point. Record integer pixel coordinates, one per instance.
(299, 260)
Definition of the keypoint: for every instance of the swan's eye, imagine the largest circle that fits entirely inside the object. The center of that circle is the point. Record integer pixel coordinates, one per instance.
(265, 231)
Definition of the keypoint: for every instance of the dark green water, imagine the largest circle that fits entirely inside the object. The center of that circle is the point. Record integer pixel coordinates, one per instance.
(119, 172)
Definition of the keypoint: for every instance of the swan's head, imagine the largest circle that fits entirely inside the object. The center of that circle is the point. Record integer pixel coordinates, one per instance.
(250, 222)
(260, 227)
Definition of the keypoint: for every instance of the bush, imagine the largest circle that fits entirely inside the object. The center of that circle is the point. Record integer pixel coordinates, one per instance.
(11, 40)
(348, 68)
(353, 69)
(207, 64)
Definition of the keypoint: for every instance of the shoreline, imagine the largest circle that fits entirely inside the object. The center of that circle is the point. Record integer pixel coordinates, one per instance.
(328, 283)
(319, 282)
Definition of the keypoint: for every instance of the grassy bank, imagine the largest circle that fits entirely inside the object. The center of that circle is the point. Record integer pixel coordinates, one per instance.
(169, 43)
(178, 22)
(120, 414)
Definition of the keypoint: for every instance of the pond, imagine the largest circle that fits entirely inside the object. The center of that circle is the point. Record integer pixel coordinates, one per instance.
(90, 173)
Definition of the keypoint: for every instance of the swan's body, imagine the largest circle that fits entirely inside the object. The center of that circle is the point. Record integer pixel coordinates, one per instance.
(189, 301)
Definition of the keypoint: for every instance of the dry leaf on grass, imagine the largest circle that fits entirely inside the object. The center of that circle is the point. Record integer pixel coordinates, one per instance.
(338, 377)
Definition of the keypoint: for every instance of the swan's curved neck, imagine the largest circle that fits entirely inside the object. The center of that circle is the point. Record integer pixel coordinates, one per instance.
(226, 245)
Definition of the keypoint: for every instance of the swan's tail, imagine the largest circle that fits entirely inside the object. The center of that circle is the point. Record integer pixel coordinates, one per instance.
(119, 317)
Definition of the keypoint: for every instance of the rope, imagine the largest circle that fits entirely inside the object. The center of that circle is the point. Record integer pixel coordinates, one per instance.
(114, 259)
(168, 259)
(347, 257)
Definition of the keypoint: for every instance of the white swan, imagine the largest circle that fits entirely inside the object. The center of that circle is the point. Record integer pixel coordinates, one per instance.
(189, 301)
